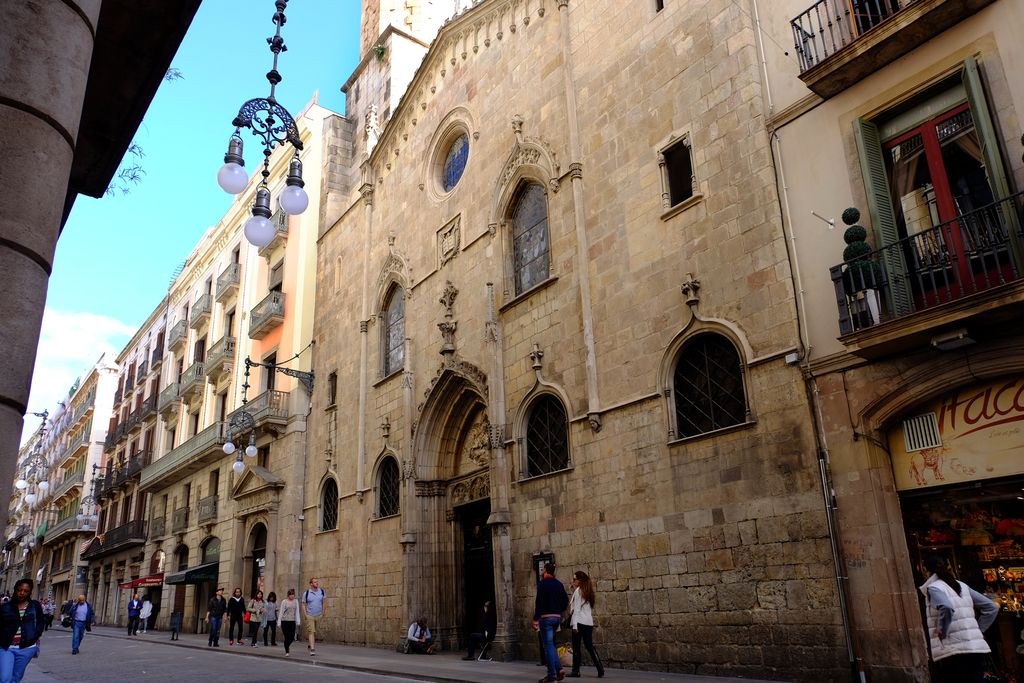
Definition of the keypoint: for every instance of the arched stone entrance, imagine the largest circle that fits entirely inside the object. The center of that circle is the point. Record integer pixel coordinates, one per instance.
(256, 554)
(449, 553)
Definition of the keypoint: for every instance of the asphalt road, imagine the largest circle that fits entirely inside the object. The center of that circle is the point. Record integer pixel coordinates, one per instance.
(135, 660)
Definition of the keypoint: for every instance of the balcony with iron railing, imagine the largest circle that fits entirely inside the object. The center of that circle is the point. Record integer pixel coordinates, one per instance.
(136, 463)
(79, 442)
(143, 372)
(268, 408)
(188, 457)
(839, 42)
(133, 419)
(177, 335)
(220, 360)
(148, 407)
(207, 510)
(193, 380)
(120, 537)
(201, 311)
(121, 433)
(179, 520)
(228, 281)
(118, 395)
(280, 222)
(156, 359)
(70, 481)
(904, 294)
(157, 527)
(62, 527)
(266, 315)
(84, 407)
(110, 441)
(168, 400)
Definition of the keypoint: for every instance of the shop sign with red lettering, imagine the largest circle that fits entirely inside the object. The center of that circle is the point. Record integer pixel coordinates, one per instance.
(981, 430)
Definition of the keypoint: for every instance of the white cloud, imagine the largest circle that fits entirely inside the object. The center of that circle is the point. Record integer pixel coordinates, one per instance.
(70, 343)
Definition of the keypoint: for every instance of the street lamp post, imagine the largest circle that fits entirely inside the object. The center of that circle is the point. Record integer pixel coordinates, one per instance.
(35, 468)
(242, 420)
(274, 125)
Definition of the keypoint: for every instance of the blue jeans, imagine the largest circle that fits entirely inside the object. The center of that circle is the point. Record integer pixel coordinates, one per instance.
(77, 633)
(548, 626)
(14, 661)
(215, 630)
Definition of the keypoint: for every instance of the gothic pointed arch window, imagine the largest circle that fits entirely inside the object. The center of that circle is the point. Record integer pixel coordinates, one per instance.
(388, 487)
(393, 331)
(707, 386)
(329, 505)
(547, 437)
(531, 251)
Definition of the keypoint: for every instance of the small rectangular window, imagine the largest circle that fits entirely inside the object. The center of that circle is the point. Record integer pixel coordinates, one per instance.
(332, 388)
(679, 172)
(659, 5)
(276, 279)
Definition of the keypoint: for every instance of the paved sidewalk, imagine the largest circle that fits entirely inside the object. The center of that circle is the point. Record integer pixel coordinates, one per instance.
(445, 667)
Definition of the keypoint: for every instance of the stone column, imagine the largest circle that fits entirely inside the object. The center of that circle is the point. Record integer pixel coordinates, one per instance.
(42, 88)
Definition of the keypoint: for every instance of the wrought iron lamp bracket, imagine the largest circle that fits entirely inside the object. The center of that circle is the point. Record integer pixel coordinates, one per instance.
(305, 378)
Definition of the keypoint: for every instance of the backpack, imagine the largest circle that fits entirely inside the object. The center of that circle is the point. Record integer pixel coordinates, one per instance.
(305, 595)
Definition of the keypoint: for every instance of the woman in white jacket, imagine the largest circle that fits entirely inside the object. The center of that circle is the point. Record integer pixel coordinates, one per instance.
(582, 609)
(955, 632)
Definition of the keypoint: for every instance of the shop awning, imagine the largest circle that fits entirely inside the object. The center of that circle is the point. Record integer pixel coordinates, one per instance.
(203, 573)
(144, 582)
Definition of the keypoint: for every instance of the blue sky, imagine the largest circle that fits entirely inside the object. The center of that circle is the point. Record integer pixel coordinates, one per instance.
(116, 255)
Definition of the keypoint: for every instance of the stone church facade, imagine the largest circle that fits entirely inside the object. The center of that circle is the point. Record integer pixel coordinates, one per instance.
(554, 309)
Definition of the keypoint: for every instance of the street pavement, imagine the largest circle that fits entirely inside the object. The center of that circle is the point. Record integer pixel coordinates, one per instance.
(108, 654)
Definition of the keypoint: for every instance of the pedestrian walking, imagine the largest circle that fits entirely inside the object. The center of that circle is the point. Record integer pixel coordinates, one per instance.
(48, 610)
(215, 609)
(957, 642)
(236, 613)
(82, 618)
(551, 601)
(134, 609)
(145, 613)
(581, 606)
(270, 620)
(21, 625)
(255, 612)
(313, 609)
(288, 619)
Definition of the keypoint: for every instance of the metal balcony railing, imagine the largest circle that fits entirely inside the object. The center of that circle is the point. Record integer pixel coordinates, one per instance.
(182, 457)
(133, 420)
(207, 509)
(201, 311)
(157, 527)
(138, 462)
(168, 397)
(193, 380)
(270, 405)
(266, 315)
(84, 406)
(177, 335)
(280, 223)
(157, 357)
(121, 433)
(143, 372)
(77, 441)
(179, 520)
(148, 407)
(970, 254)
(220, 357)
(118, 395)
(228, 281)
(60, 527)
(69, 481)
(828, 26)
(134, 531)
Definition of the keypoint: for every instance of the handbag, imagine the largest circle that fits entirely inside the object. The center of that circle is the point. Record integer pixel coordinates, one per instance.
(65, 621)
(247, 617)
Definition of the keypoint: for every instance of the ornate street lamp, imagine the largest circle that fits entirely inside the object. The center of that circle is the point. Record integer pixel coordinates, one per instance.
(272, 123)
(241, 420)
(35, 468)
(87, 508)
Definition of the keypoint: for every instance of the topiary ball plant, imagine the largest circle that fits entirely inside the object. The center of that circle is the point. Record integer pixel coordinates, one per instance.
(861, 271)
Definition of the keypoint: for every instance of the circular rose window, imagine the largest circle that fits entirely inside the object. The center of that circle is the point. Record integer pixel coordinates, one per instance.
(455, 162)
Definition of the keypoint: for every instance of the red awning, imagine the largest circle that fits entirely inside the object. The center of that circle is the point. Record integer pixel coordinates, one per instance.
(144, 581)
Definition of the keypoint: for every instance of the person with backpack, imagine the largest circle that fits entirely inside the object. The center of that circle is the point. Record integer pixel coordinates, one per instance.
(313, 610)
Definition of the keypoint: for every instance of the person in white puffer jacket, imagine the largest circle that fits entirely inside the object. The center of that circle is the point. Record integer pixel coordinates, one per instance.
(958, 616)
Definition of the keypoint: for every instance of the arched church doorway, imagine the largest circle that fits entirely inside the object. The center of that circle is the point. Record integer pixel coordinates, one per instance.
(477, 560)
(258, 558)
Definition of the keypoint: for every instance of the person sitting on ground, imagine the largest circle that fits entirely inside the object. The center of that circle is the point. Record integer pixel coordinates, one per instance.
(420, 641)
(483, 637)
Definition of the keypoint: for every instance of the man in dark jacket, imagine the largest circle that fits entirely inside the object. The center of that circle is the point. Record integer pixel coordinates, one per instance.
(134, 608)
(236, 612)
(483, 637)
(215, 610)
(82, 618)
(547, 616)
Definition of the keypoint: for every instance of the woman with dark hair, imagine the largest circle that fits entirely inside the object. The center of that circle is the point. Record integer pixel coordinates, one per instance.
(270, 620)
(236, 612)
(958, 646)
(581, 606)
(288, 617)
(257, 609)
(21, 625)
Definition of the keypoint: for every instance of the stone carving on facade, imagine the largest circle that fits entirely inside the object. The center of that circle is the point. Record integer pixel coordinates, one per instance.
(408, 469)
(478, 442)
(396, 268)
(385, 429)
(372, 128)
(430, 489)
(449, 325)
(476, 377)
(449, 241)
(691, 289)
(467, 491)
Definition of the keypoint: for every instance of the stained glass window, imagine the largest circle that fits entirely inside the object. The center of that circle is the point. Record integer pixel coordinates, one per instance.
(387, 489)
(547, 437)
(394, 331)
(329, 506)
(455, 162)
(708, 386)
(530, 238)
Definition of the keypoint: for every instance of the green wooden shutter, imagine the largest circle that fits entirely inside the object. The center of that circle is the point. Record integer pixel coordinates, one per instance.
(883, 216)
(995, 170)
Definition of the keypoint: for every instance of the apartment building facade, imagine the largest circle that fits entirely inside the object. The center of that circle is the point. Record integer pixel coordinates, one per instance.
(909, 113)
(229, 520)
